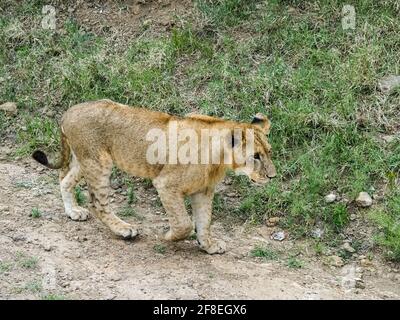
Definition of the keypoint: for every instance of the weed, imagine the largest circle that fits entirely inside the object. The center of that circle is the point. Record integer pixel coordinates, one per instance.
(80, 196)
(264, 253)
(160, 248)
(294, 263)
(36, 213)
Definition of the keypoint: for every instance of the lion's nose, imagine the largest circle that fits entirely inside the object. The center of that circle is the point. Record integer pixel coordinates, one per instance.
(271, 172)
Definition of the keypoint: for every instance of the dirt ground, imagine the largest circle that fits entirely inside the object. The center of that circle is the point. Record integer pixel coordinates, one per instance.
(53, 256)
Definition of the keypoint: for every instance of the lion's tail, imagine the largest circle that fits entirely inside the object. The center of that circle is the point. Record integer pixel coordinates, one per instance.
(63, 160)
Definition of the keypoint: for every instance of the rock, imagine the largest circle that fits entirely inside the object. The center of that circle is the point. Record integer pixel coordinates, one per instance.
(353, 217)
(136, 9)
(364, 200)
(317, 233)
(9, 108)
(47, 247)
(389, 83)
(365, 262)
(165, 21)
(147, 23)
(330, 198)
(388, 138)
(50, 113)
(336, 261)
(273, 221)
(359, 283)
(278, 236)
(347, 247)
(115, 277)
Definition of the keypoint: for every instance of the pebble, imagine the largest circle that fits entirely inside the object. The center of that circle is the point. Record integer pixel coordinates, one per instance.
(336, 261)
(330, 198)
(365, 262)
(115, 277)
(273, 221)
(389, 83)
(10, 108)
(364, 199)
(347, 247)
(359, 283)
(317, 233)
(278, 236)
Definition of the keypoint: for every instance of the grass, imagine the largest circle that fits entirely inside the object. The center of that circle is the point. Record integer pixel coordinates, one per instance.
(264, 253)
(36, 213)
(233, 58)
(160, 248)
(34, 286)
(27, 262)
(80, 196)
(294, 263)
(5, 266)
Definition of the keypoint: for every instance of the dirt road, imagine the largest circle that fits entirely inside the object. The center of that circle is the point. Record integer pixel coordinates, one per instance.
(53, 257)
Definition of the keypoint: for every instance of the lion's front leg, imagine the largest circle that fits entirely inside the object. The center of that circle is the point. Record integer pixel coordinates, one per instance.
(173, 202)
(202, 209)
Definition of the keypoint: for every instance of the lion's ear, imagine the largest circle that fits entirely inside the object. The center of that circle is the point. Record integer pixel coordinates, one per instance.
(262, 121)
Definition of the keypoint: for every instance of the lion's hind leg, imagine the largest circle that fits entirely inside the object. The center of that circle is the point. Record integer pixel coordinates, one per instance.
(69, 178)
(97, 175)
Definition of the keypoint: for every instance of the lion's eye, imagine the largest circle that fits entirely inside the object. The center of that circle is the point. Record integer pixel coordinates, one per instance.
(257, 156)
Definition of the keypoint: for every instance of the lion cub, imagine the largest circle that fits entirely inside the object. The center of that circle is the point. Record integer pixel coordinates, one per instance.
(97, 135)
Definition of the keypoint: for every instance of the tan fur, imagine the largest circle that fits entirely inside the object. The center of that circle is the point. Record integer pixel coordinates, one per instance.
(102, 133)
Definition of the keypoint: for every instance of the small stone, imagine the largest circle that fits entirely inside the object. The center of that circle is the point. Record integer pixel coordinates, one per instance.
(273, 221)
(330, 198)
(364, 199)
(147, 23)
(347, 247)
(335, 261)
(115, 277)
(365, 262)
(388, 138)
(50, 113)
(9, 108)
(359, 283)
(278, 236)
(4, 208)
(353, 217)
(47, 247)
(136, 9)
(317, 233)
(165, 21)
(389, 83)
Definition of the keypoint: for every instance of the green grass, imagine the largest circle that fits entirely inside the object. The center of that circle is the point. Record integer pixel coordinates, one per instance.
(131, 194)
(27, 262)
(34, 286)
(264, 253)
(234, 58)
(294, 263)
(5, 266)
(80, 196)
(160, 248)
(36, 213)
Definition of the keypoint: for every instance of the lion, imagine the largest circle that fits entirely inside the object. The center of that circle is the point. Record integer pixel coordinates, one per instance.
(97, 135)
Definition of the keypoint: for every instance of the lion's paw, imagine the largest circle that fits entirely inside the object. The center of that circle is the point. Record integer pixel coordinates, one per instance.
(79, 214)
(217, 246)
(126, 231)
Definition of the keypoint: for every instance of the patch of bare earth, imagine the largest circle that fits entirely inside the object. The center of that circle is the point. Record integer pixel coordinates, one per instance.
(83, 260)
